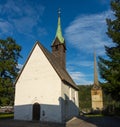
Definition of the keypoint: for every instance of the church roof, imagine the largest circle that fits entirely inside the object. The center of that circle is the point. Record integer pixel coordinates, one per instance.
(63, 74)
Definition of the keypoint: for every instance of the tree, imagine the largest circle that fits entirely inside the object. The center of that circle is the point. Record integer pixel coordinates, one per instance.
(110, 67)
(85, 97)
(9, 54)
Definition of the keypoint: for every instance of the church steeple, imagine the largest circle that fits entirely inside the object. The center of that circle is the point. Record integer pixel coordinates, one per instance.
(96, 83)
(96, 91)
(59, 30)
(58, 45)
(95, 71)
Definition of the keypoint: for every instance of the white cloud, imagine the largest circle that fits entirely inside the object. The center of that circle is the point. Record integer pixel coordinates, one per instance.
(80, 63)
(87, 32)
(86, 63)
(20, 15)
(25, 24)
(5, 27)
(80, 78)
(105, 1)
(19, 66)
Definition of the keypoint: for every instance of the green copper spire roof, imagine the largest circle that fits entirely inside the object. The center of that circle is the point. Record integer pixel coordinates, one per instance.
(59, 31)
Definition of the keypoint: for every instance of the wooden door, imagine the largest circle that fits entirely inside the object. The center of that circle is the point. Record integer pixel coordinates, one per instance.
(36, 111)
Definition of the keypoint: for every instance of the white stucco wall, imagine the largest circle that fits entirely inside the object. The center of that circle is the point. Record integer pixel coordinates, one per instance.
(38, 83)
(70, 106)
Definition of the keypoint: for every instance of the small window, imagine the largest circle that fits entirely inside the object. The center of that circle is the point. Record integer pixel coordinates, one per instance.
(56, 47)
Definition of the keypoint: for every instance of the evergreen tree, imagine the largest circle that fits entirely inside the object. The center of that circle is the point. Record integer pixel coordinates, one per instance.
(110, 68)
(9, 54)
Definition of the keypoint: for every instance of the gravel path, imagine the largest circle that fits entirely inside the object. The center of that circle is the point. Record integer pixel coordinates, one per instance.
(16, 123)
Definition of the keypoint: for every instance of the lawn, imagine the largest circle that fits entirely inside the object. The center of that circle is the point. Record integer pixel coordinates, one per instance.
(6, 115)
(94, 115)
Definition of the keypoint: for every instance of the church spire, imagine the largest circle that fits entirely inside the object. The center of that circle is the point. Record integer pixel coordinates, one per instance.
(96, 91)
(59, 30)
(96, 83)
(59, 46)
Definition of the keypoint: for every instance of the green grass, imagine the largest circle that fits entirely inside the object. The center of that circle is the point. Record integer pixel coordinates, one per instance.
(6, 115)
(94, 115)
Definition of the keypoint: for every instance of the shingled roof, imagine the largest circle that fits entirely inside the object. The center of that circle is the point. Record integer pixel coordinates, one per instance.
(63, 74)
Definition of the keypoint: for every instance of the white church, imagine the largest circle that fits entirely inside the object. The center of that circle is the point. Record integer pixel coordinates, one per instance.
(44, 90)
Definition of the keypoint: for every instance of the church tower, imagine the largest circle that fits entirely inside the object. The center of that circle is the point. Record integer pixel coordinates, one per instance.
(58, 45)
(96, 91)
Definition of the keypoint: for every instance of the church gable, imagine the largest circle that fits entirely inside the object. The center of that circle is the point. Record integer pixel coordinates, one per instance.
(36, 60)
(61, 72)
(38, 83)
(38, 75)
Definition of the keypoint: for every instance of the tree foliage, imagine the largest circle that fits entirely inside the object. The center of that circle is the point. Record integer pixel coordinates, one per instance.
(110, 68)
(85, 97)
(9, 54)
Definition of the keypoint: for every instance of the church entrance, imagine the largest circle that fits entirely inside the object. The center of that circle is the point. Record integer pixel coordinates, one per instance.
(36, 111)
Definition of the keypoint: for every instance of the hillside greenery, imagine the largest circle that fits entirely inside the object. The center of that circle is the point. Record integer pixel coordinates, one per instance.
(85, 97)
(111, 106)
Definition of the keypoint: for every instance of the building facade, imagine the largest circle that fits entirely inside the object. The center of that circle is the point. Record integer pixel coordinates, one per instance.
(44, 90)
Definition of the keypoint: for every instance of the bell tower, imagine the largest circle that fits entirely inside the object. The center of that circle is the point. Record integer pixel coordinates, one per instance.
(58, 45)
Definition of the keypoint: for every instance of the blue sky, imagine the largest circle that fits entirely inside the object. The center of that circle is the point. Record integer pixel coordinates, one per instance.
(83, 27)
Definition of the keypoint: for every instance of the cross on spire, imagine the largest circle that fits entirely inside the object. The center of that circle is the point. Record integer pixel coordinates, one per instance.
(59, 30)
(59, 12)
